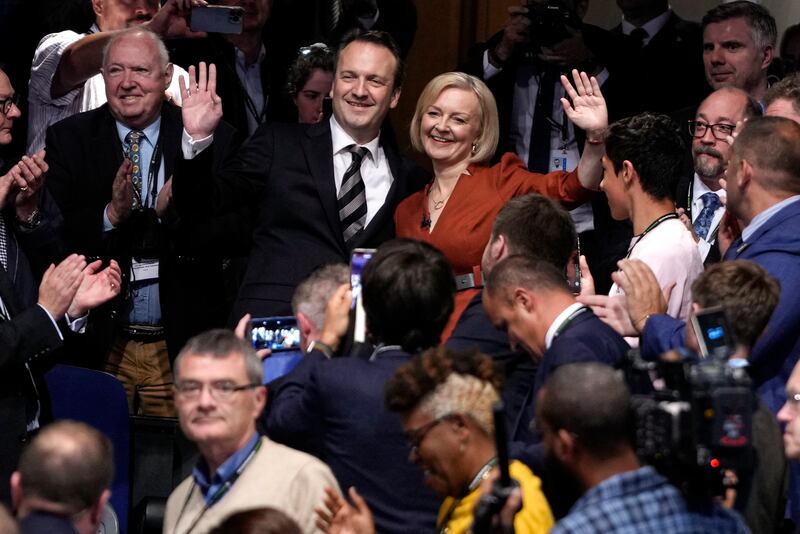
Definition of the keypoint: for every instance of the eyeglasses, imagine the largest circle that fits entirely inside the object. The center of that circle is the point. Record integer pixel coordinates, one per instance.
(316, 47)
(221, 390)
(6, 103)
(793, 402)
(416, 436)
(719, 131)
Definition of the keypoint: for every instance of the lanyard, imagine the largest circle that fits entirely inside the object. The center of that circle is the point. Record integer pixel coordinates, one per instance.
(476, 481)
(653, 225)
(219, 493)
(563, 326)
(152, 178)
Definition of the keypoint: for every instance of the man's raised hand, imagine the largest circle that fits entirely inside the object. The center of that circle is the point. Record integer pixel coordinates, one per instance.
(202, 107)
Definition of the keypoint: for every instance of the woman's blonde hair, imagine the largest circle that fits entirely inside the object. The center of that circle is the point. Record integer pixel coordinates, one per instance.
(488, 126)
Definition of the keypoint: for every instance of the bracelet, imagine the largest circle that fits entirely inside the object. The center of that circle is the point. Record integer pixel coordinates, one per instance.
(324, 348)
(642, 320)
(595, 141)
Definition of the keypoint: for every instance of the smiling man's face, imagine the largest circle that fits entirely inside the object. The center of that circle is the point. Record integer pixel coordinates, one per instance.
(135, 80)
(363, 89)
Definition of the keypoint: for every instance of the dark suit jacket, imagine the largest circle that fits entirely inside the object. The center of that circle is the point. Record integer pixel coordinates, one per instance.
(38, 522)
(585, 339)
(664, 76)
(285, 173)
(84, 152)
(474, 330)
(25, 339)
(335, 407)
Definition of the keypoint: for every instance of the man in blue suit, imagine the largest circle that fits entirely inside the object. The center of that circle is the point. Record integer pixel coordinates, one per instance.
(763, 186)
(335, 407)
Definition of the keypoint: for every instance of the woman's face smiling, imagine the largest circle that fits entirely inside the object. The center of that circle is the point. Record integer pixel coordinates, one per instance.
(450, 126)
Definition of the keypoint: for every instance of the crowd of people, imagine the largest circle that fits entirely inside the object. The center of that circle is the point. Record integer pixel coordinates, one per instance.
(591, 197)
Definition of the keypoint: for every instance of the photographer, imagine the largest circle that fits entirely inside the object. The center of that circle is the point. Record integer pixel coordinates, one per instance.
(586, 423)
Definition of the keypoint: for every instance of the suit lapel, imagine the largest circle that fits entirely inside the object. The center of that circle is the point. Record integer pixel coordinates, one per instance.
(106, 159)
(318, 149)
(170, 136)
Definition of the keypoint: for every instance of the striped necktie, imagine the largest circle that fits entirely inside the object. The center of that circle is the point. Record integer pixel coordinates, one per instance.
(353, 197)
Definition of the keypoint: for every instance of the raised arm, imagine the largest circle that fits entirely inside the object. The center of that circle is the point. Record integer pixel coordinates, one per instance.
(586, 108)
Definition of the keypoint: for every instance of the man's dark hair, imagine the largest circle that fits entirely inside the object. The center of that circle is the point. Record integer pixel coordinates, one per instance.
(526, 272)
(788, 88)
(591, 401)
(746, 292)
(408, 294)
(654, 147)
(772, 146)
(69, 464)
(378, 38)
(761, 23)
(537, 227)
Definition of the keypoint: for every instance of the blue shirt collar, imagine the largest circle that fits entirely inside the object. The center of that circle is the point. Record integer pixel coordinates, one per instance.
(761, 219)
(151, 132)
(224, 472)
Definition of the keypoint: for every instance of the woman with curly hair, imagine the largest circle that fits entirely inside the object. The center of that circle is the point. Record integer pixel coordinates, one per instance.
(445, 403)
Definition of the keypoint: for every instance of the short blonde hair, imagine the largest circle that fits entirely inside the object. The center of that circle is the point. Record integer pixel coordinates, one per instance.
(463, 394)
(489, 125)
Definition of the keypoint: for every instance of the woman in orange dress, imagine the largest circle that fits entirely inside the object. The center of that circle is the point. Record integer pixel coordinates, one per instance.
(456, 125)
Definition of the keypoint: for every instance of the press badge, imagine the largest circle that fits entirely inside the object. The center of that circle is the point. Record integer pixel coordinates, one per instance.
(558, 160)
(142, 270)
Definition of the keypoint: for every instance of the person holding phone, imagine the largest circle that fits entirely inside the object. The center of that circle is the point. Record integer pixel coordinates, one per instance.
(337, 406)
(456, 125)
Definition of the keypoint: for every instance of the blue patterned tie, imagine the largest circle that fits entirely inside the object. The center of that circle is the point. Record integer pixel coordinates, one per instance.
(132, 152)
(703, 222)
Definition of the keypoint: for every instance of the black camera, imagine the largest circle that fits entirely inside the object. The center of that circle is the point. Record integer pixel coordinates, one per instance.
(693, 419)
(551, 22)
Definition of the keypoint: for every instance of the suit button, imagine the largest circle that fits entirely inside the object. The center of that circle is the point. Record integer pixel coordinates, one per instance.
(23, 438)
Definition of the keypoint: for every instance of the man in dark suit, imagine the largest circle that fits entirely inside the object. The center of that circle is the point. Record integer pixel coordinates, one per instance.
(513, 233)
(531, 302)
(62, 484)
(320, 190)
(695, 196)
(337, 407)
(33, 323)
(110, 175)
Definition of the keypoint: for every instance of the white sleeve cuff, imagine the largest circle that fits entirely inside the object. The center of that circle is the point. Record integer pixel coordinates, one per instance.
(489, 70)
(192, 147)
(55, 325)
(77, 325)
(107, 226)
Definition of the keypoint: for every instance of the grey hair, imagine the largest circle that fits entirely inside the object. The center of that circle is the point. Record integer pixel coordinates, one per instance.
(311, 296)
(221, 343)
(138, 31)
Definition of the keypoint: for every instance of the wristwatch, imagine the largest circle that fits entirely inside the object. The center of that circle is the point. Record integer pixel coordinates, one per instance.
(324, 348)
(33, 221)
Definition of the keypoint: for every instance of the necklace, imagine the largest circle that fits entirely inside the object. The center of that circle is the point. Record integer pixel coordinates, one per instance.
(439, 204)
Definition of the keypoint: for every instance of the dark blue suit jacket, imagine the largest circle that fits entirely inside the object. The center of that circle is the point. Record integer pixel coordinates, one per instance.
(474, 330)
(335, 408)
(776, 248)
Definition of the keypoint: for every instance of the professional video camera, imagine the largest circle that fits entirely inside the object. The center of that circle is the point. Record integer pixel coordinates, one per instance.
(693, 419)
(551, 22)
